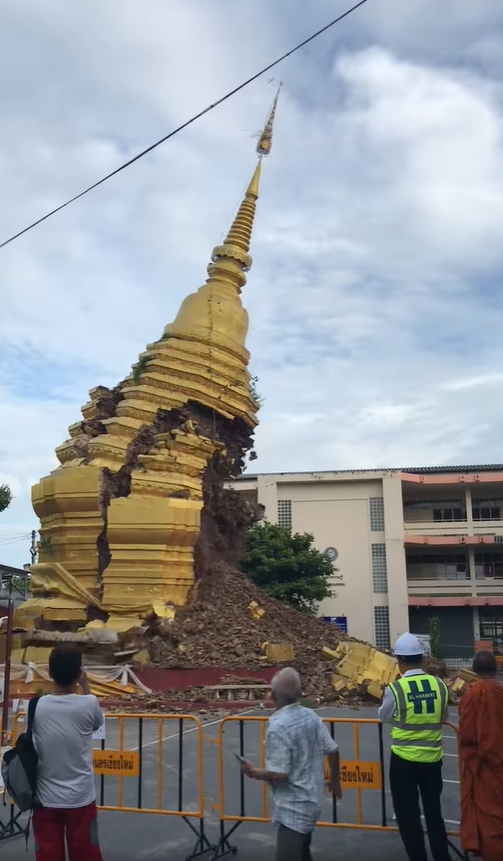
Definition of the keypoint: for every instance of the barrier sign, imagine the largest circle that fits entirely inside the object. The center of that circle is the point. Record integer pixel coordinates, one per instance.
(123, 763)
(100, 734)
(358, 775)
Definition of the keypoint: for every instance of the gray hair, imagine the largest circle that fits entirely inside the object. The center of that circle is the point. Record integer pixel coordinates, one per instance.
(287, 687)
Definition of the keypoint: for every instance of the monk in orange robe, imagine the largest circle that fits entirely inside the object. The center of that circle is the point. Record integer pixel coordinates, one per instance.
(481, 760)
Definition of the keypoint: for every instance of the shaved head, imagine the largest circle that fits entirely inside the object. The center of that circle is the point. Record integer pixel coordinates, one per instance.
(485, 664)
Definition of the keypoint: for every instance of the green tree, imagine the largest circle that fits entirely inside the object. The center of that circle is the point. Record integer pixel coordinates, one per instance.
(434, 634)
(287, 566)
(5, 496)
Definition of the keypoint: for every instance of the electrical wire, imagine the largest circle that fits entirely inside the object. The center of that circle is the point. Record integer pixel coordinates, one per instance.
(184, 125)
(20, 540)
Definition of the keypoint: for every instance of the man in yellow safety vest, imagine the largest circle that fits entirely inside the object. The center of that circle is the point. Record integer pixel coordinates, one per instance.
(416, 706)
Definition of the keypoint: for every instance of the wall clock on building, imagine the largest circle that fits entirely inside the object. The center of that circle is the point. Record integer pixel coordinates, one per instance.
(331, 553)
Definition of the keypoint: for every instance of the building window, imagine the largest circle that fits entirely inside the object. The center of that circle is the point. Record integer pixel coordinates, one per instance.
(285, 514)
(487, 509)
(379, 569)
(492, 629)
(448, 515)
(441, 511)
(489, 565)
(437, 566)
(381, 627)
(376, 513)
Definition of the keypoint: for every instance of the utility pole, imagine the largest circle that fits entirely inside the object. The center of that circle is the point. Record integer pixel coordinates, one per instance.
(33, 548)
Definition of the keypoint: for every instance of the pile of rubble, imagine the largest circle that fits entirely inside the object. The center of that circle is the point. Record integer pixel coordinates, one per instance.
(227, 623)
(231, 624)
(457, 684)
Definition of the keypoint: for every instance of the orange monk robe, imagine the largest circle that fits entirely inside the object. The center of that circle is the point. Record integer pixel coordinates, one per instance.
(481, 760)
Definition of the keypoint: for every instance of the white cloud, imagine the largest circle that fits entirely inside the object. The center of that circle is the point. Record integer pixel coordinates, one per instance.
(374, 298)
(476, 382)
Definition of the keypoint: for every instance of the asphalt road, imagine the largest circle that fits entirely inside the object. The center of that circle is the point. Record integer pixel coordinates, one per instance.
(152, 837)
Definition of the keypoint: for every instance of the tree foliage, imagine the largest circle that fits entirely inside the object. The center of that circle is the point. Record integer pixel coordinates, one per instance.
(5, 496)
(434, 633)
(287, 566)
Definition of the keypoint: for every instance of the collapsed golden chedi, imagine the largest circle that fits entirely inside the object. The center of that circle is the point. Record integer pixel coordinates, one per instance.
(120, 517)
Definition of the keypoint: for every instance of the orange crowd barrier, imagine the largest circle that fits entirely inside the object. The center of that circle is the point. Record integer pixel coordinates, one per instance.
(361, 776)
(133, 743)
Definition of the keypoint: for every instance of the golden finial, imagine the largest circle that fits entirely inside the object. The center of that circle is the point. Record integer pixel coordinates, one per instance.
(214, 314)
(236, 245)
(265, 140)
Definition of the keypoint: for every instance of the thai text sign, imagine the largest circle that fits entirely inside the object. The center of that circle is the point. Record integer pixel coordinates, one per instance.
(122, 763)
(358, 775)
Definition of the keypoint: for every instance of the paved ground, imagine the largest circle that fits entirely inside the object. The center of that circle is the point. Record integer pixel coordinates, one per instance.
(154, 837)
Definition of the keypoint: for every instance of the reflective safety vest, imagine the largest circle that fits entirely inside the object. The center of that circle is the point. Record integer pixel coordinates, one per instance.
(420, 702)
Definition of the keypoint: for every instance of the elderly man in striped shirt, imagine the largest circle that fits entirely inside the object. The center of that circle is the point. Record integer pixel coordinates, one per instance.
(297, 743)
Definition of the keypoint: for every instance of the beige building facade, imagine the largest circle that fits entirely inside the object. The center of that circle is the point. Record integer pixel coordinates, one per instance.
(407, 545)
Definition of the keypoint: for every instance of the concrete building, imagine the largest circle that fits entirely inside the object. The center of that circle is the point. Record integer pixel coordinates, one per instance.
(407, 545)
(18, 591)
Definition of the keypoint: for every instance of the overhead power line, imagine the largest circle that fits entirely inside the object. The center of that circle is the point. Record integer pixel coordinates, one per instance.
(17, 540)
(184, 125)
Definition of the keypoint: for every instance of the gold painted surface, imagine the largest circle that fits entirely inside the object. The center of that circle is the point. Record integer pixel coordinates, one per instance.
(151, 532)
(358, 664)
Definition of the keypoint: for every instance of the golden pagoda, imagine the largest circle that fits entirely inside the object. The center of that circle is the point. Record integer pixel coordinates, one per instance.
(121, 516)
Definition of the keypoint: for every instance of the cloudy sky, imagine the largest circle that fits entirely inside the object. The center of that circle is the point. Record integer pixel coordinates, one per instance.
(375, 297)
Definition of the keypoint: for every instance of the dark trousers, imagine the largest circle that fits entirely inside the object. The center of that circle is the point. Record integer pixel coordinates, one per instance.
(407, 780)
(292, 845)
(78, 826)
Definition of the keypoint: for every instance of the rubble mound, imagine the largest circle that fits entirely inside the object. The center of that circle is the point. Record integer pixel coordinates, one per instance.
(220, 628)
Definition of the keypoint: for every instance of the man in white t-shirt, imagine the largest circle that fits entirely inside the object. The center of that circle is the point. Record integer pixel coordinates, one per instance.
(63, 736)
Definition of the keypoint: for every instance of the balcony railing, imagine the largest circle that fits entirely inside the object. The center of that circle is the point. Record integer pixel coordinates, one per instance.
(440, 588)
(435, 517)
(411, 517)
(417, 576)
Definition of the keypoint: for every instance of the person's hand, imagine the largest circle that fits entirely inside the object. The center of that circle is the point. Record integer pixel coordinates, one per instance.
(247, 768)
(335, 787)
(83, 682)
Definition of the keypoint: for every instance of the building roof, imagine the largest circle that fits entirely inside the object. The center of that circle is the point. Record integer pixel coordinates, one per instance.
(419, 470)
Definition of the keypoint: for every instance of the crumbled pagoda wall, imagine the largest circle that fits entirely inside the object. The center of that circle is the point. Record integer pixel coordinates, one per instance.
(128, 495)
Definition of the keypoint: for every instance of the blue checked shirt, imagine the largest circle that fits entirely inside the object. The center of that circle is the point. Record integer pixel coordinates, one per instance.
(296, 744)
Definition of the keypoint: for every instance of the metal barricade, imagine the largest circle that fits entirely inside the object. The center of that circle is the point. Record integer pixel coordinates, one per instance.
(360, 776)
(132, 757)
(130, 765)
(10, 825)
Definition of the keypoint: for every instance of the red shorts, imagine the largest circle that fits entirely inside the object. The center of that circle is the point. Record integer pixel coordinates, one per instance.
(78, 826)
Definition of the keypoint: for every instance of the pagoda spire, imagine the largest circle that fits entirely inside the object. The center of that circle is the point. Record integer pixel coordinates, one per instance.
(265, 140)
(214, 313)
(236, 245)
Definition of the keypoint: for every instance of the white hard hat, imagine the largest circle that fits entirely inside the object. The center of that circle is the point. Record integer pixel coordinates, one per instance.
(407, 646)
